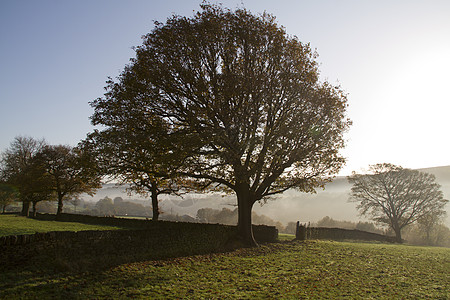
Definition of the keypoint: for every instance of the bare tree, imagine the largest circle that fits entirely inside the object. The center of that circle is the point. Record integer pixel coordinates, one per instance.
(397, 197)
(429, 223)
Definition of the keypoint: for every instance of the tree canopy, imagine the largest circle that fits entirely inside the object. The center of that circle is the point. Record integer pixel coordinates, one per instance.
(70, 171)
(395, 196)
(40, 172)
(135, 152)
(7, 195)
(240, 102)
(18, 169)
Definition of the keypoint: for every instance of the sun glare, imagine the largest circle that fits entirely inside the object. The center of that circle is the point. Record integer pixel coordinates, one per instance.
(407, 120)
(419, 95)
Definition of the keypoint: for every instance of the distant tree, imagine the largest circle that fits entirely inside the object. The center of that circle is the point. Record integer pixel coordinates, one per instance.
(429, 222)
(118, 201)
(122, 208)
(332, 223)
(47, 206)
(395, 196)
(75, 202)
(7, 195)
(442, 235)
(206, 215)
(70, 170)
(265, 220)
(224, 216)
(230, 217)
(241, 102)
(290, 228)
(105, 206)
(17, 168)
(368, 226)
(439, 235)
(326, 222)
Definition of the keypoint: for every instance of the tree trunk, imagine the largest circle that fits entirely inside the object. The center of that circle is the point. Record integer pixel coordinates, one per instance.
(155, 208)
(398, 233)
(428, 232)
(60, 206)
(244, 227)
(25, 208)
(34, 210)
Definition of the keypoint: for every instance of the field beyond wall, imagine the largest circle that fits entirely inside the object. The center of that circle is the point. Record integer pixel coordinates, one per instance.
(12, 224)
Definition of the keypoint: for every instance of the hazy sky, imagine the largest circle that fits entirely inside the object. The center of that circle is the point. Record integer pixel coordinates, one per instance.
(392, 57)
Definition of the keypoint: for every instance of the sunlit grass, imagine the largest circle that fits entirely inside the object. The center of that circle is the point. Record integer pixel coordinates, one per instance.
(17, 225)
(296, 270)
(285, 237)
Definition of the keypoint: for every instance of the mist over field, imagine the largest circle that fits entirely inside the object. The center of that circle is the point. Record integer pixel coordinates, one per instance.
(289, 206)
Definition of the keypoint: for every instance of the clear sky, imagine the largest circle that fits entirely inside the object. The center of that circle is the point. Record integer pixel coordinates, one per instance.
(392, 57)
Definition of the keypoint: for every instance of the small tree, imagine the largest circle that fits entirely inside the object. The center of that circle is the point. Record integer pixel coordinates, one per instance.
(70, 171)
(291, 227)
(241, 102)
(105, 206)
(18, 168)
(38, 185)
(397, 197)
(7, 195)
(428, 223)
(134, 152)
(75, 202)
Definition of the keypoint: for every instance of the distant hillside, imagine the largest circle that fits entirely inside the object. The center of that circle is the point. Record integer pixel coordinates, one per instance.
(442, 177)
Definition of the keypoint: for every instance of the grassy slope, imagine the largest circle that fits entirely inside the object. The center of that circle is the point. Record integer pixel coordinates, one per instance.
(16, 225)
(291, 270)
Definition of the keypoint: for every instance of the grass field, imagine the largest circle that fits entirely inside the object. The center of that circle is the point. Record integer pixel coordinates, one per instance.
(16, 225)
(286, 237)
(287, 270)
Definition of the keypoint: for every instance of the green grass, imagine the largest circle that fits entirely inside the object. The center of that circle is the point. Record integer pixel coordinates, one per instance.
(286, 237)
(287, 270)
(17, 225)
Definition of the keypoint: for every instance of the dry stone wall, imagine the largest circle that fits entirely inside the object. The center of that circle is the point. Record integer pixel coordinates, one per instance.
(322, 233)
(145, 240)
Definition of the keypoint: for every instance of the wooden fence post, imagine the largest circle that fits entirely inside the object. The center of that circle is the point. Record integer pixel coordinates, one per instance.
(300, 232)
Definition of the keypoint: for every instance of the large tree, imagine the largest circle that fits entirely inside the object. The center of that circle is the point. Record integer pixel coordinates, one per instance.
(395, 196)
(242, 102)
(70, 172)
(18, 168)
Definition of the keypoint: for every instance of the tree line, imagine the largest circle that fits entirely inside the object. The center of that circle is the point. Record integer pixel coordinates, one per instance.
(33, 171)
